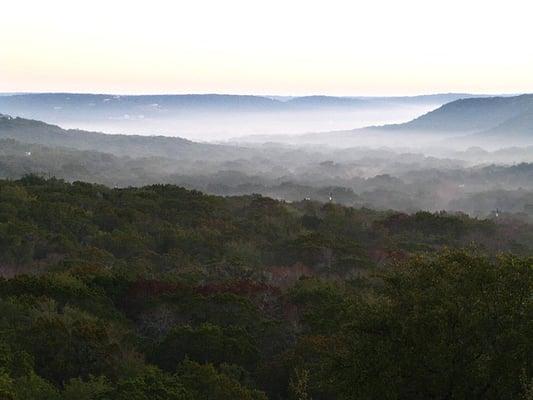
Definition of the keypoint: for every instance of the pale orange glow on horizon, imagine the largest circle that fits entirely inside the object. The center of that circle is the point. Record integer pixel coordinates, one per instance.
(278, 47)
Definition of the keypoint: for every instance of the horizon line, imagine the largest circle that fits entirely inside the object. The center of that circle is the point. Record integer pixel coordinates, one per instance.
(136, 94)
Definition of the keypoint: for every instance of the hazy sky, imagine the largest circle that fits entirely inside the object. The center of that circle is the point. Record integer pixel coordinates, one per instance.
(267, 47)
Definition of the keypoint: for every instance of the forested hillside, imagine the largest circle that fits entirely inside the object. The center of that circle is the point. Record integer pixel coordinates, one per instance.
(163, 293)
(378, 179)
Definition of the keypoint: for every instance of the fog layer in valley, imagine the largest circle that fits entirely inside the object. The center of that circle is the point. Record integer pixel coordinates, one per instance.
(471, 154)
(217, 117)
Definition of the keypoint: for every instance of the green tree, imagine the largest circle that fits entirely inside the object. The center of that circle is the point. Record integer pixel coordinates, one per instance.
(206, 383)
(206, 343)
(152, 384)
(450, 326)
(94, 388)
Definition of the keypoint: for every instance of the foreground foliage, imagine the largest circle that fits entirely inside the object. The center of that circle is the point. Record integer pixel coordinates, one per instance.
(163, 293)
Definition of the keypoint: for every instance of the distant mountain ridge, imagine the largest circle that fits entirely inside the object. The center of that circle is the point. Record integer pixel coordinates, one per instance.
(216, 116)
(480, 116)
(465, 122)
(29, 105)
(470, 115)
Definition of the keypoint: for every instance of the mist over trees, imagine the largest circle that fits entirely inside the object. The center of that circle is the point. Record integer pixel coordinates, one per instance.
(471, 180)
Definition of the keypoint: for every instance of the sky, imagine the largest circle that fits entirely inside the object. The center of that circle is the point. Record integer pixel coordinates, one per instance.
(334, 47)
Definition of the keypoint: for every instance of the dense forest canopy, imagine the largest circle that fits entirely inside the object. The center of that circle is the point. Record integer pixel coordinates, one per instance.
(159, 292)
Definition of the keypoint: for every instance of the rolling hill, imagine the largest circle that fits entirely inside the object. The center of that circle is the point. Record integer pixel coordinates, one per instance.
(470, 115)
(521, 124)
(37, 132)
(489, 121)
